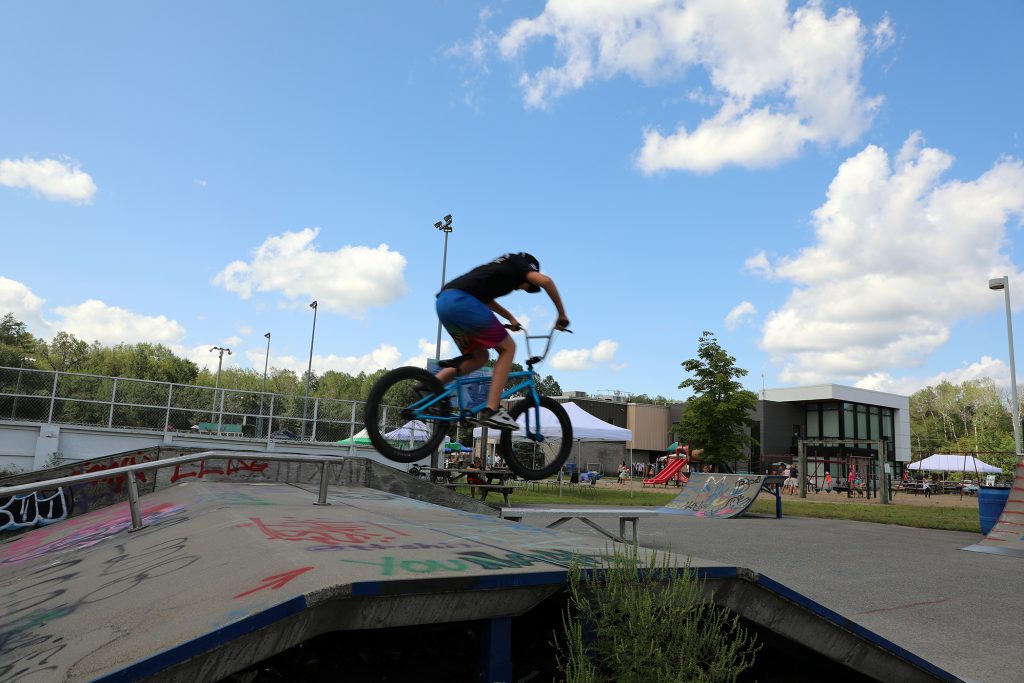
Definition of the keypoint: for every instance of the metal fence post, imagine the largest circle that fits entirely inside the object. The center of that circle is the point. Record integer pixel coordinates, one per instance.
(113, 398)
(316, 409)
(133, 502)
(322, 500)
(270, 418)
(167, 416)
(220, 415)
(352, 431)
(53, 396)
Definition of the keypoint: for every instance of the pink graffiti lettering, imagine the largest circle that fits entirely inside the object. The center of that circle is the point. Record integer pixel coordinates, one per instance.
(232, 467)
(325, 532)
(81, 532)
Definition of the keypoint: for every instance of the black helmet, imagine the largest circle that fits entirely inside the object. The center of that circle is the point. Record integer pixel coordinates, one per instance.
(534, 265)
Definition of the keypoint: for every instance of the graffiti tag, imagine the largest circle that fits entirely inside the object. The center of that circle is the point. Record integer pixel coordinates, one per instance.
(34, 509)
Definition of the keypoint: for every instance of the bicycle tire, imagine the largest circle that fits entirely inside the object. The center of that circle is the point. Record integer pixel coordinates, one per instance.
(531, 459)
(377, 426)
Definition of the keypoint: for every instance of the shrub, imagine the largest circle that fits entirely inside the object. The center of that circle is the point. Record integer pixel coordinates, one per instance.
(630, 624)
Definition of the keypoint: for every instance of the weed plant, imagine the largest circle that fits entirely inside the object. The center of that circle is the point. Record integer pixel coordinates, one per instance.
(630, 624)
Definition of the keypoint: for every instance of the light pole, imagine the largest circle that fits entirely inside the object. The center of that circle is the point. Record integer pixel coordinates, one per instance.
(17, 385)
(263, 390)
(220, 360)
(1003, 283)
(445, 227)
(309, 371)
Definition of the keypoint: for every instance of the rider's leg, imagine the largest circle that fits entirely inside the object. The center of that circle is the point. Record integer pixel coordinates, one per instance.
(506, 353)
(470, 362)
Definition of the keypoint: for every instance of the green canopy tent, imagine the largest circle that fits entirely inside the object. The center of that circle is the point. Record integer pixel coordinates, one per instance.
(358, 439)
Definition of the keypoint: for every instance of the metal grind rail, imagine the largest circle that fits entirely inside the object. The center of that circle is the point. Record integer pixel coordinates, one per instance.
(133, 489)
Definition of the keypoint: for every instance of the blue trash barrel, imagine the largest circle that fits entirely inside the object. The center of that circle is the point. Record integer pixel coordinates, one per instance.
(991, 501)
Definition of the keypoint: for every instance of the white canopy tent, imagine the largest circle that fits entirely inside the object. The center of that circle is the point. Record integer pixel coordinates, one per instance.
(944, 462)
(585, 427)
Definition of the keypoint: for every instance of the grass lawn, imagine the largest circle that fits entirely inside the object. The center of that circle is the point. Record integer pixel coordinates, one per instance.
(949, 518)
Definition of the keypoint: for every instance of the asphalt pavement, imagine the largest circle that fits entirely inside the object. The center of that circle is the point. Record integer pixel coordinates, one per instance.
(959, 610)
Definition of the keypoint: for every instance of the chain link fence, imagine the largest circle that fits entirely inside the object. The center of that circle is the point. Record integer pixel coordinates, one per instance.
(95, 400)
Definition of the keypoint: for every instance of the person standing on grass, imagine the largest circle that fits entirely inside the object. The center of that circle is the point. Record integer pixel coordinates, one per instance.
(828, 482)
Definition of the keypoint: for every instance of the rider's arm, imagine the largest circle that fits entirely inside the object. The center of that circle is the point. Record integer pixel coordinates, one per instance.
(548, 285)
(500, 310)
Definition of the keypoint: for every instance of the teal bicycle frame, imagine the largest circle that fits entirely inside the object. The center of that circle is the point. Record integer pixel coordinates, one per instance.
(421, 409)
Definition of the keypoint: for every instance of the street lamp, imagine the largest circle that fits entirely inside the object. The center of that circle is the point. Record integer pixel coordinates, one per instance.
(445, 227)
(996, 284)
(263, 391)
(220, 360)
(17, 385)
(309, 371)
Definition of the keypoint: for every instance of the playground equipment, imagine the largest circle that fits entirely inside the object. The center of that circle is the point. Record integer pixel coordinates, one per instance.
(673, 470)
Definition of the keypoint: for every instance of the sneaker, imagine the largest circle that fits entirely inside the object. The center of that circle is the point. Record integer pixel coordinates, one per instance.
(497, 418)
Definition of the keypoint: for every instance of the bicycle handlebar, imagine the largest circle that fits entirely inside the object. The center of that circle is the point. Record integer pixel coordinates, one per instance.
(531, 359)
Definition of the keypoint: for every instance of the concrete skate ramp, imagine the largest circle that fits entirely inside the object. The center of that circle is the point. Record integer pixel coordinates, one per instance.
(226, 574)
(718, 495)
(1007, 535)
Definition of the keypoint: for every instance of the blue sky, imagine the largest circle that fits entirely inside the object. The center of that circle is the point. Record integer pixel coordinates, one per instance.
(827, 187)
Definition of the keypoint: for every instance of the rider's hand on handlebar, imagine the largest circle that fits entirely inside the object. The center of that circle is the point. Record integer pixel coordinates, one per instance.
(514, 326)
(562, 324)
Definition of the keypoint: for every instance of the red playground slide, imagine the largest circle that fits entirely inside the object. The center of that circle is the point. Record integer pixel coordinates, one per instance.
(672, 470)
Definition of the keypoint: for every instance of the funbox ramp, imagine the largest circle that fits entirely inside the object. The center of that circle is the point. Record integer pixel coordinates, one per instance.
(1007, 535)
(716, 495)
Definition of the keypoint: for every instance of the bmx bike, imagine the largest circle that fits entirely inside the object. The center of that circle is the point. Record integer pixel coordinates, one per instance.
(409, 413)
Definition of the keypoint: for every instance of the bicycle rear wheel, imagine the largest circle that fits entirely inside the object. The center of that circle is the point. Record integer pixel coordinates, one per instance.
(398, 422)
(542, 450)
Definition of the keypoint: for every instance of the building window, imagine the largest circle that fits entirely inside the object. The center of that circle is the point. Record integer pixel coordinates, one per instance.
(830, 421)
(812, 420)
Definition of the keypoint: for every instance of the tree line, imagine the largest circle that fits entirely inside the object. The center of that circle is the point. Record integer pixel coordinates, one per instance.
(66, 353)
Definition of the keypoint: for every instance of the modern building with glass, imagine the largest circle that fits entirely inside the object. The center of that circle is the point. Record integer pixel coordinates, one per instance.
(838, 424)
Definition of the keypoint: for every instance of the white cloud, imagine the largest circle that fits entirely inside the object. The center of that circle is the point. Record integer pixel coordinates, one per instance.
(18, 299)
(202, 356)
(572, 360)
(232, 341)
(986, 368)
(784, 79)
(50, 178)
(427, 349)
(384, 356)
(93, 320)
(740, 312)
(899, 256)
(346, 281)
(758, 264)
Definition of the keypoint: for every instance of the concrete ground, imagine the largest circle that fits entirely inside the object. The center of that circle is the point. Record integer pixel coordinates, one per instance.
(959, 610)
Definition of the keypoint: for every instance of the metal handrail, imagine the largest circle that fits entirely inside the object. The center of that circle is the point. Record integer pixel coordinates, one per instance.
(133, 490)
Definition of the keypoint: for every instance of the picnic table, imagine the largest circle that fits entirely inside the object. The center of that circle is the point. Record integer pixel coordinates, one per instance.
(498, 481)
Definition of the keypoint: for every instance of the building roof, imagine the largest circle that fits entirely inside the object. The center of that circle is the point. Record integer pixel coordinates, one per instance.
(837, 392)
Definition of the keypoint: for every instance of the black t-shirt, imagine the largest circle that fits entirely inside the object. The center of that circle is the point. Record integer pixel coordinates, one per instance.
(494, 279)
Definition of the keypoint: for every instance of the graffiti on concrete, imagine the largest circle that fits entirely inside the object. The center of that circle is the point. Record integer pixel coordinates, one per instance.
(73, 535)
(388, 565)
(34, 509)
(116, 483)
(276, 581)
(204, 468)
(711, 495)
(324, 531)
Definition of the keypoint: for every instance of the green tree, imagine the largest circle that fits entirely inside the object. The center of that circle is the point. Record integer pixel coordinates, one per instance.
(67, 353)
(549, 386)
(16, 343)
(717, 417)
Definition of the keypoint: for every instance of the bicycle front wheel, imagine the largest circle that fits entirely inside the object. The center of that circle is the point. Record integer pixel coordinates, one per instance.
(397, 420)
(544, 447)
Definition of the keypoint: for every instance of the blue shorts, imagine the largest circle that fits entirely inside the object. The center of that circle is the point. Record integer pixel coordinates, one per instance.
(468, 320)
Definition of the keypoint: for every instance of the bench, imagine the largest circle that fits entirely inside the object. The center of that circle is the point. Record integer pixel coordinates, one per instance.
(587, 516)
(225, 429)
(504, 489)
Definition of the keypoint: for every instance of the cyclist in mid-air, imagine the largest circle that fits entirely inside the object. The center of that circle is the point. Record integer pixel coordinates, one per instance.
(466, 307)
